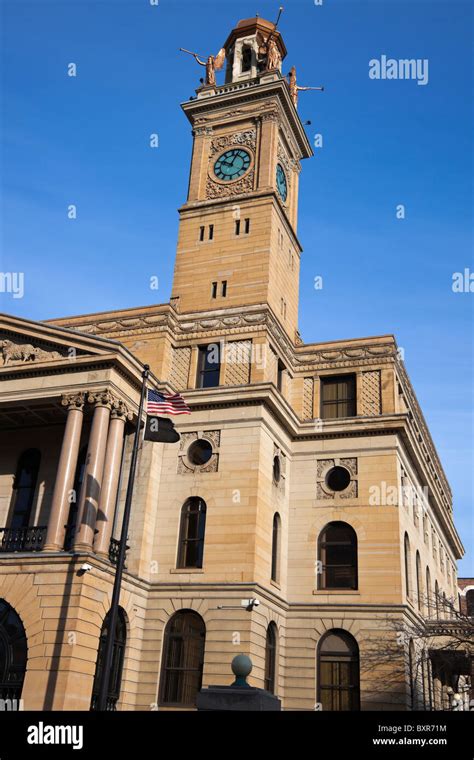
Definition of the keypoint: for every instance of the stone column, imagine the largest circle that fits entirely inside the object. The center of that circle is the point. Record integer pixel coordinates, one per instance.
(110, 480)
(66, 471)
(91, 484)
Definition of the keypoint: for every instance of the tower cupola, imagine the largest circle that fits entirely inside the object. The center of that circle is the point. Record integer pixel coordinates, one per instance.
(252, 47)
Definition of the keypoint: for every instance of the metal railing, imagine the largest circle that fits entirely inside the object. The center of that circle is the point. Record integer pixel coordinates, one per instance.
(32, 538)
(29, 539)
(114, 550)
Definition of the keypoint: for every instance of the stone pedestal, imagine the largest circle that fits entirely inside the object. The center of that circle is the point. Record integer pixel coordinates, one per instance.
(239, 696)
(230, 698)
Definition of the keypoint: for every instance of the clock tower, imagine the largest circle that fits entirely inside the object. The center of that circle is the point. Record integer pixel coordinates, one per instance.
(237, 243)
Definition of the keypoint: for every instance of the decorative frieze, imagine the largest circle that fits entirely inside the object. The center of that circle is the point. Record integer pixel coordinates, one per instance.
(25, 353)
(218, 190)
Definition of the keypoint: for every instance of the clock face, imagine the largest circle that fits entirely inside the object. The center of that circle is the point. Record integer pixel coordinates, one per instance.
(232, 164)
(282, 185)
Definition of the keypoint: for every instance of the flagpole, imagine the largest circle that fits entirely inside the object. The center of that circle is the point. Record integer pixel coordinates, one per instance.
(113, 612)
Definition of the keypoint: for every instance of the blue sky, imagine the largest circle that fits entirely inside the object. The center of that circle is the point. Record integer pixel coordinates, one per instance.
(85, 141)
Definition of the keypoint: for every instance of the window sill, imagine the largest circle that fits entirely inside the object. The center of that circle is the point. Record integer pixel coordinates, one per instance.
(337, 591)
(186, 570)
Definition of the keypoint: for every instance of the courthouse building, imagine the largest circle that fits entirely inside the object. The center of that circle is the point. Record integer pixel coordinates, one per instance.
(305, 478)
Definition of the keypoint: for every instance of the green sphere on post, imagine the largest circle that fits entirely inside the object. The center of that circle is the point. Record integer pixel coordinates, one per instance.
(241, 667)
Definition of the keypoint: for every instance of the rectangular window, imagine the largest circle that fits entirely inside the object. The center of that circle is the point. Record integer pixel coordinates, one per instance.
(214, 290)
(209, 365)
(237, 226)
(280, 371)
(211, 232)
(338, 397)
(201, 234)
(224, 288)
(247, 226)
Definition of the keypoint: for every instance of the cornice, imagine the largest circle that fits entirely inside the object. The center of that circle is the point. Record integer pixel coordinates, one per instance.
(238, 93)
(430, 455)
(244, 320)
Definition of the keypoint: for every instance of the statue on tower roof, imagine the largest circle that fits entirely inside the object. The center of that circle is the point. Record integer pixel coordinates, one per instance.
(213, 63)
(268, 48)
(295, 88)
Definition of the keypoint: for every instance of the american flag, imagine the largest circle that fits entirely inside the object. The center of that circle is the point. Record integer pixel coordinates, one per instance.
(165, 403)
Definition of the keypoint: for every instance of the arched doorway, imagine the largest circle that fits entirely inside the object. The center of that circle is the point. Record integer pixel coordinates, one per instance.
(338, 671)
(183, 659)
(13, 652)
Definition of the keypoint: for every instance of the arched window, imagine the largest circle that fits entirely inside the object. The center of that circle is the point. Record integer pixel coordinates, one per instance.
(407, 566)
(183, 659)
(24, 488)
(419, 589)
(470, 603)
(191, 534)
(13, 653)
(437, 599)
(429, 601)
(276, 543)
(270, 657)
(72, 517)
(337, 552)
(338, 671)
(118, 654)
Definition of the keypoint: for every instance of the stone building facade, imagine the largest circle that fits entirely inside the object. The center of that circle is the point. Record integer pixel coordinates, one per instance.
(305, 477)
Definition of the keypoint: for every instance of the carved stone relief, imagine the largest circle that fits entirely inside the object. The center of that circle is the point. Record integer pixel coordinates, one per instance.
(323, 466)
(14, 353)
(185, 465)
(246, 183)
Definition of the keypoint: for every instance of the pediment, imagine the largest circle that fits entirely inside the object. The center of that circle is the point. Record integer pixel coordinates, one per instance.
(24, 342)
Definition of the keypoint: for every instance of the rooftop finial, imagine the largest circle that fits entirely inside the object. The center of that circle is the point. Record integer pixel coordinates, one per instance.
(280, 11)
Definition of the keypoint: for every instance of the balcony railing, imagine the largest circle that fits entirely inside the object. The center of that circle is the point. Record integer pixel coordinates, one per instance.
(29, 539)
(32, 539)
(110, 705)
(114, 549)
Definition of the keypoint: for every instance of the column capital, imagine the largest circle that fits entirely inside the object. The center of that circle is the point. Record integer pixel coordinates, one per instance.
(120, 410)
(102, 398)
(106, 398)
(73, 400)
